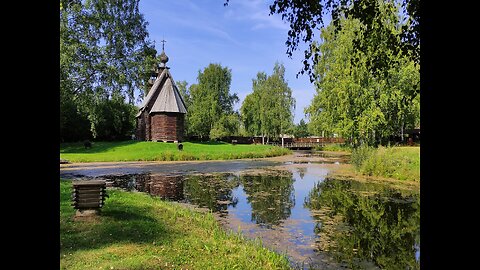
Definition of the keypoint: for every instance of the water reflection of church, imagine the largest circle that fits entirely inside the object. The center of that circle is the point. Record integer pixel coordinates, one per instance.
(165, 186)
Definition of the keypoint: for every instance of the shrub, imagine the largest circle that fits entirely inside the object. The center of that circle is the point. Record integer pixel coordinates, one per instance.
(393, 162)
(334, 147)
(360, 154)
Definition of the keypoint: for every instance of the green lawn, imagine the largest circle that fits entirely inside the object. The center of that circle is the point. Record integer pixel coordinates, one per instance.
(146, 151)
(138, 231)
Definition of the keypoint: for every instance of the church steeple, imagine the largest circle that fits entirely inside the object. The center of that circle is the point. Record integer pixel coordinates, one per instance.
(163, 56)
(159, 67)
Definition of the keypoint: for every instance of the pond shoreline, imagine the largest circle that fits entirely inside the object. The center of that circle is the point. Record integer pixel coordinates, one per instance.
(341, 170)
(156, 176)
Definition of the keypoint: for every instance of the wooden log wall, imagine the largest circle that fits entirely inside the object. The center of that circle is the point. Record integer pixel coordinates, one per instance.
(141, 126)
(166, 186)
(167, 126)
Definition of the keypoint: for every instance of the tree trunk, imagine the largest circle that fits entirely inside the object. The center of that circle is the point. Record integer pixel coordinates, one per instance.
(282, 142)
(263, 139)
(402, 132)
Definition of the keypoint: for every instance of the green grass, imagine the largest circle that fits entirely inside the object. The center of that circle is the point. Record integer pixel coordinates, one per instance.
(401, 163)
(334, 147)
(137, 231)
(150, 151)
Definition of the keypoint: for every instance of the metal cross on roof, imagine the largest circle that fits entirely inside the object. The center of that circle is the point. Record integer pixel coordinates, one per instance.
(163, 44)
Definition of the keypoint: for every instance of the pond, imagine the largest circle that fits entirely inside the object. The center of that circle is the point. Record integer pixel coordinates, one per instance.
(298, 210)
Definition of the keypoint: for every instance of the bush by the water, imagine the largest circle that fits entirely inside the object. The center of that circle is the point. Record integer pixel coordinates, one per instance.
(334, 147)
(401, 163)
(360, 154)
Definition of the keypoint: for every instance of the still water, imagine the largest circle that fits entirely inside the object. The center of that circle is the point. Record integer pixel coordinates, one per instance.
(318, 222)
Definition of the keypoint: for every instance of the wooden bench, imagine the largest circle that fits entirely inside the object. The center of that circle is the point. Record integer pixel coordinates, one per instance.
(88, 195)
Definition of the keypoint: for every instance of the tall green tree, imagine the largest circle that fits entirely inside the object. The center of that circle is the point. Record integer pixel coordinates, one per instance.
(74, 123)
(351, 100)
(104, 52)
(103, 45)
(211, 101)
(268, 110)
(250, 110)
(113, 119)
(227, 125)
(301, 130)
(185, 93)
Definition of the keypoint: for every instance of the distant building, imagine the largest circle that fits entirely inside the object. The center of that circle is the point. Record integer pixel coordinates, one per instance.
(162, 113)
(413, 135)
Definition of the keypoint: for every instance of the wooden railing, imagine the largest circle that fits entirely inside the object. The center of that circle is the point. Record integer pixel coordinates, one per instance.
(309, 144)
(319, 140)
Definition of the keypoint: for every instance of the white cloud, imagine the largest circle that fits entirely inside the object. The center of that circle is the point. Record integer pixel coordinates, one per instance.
(198, 20)
(255, 11)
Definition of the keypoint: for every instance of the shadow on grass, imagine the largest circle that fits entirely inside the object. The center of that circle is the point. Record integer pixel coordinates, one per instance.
(120, 216)
(117, 223)
(97, 147)
(210, 143)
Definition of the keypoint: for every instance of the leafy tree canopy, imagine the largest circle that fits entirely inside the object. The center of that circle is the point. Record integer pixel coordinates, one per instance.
(268, 110)
(210, 102)
(353, 101)
(103, 45)
(104, 52)
(301, 130)
(305, 18)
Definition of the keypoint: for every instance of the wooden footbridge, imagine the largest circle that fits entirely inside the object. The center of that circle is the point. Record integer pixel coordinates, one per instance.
(308, 143)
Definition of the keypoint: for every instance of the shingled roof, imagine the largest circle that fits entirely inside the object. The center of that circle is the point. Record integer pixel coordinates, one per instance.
(168, 98)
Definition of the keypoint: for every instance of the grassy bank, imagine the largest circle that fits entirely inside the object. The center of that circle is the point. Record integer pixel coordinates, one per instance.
(334, 147)
(402, 163)
(137, 231)
(149, 151)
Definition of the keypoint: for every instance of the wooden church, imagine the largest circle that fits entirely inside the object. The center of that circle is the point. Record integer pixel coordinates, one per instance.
(161, 115)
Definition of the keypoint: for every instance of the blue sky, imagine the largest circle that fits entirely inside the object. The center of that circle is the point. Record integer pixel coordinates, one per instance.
(241, 36)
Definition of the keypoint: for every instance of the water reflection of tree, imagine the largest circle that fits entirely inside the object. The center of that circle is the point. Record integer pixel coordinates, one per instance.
(301, 171)
(383, 227)
(211, 191)
(270, 196)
